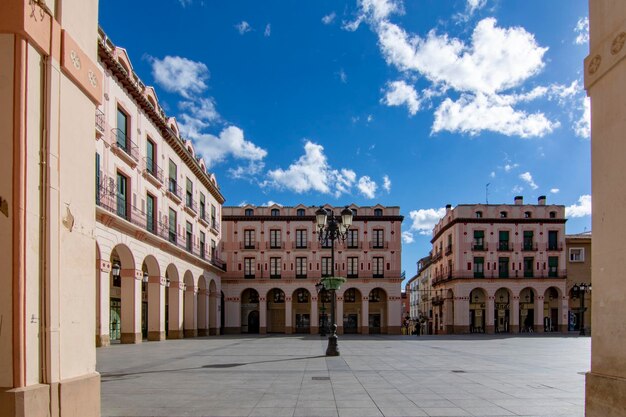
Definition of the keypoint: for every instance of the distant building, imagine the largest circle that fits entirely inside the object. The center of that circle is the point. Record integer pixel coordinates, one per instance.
(274, 259)
(500, 268)
(578, 249)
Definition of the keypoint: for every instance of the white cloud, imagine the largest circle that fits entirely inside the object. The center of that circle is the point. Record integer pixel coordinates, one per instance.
(386, 183)
(493, 174)
(231, 142)
(367, 187)
(243, 27)
(554, 190)
(473, 5)
(185, 3)
(180, 75)
(425, 219)
(251, 171)
(311, 172)
(582, 127)
(271, 203)
(370, 118)
(509, 166)
(517, 189)
(400, 93)
(407, 237)
(198, 115)
(583, 208)
(343, 77)
(329, 18)
(474, 113)
(528, 178)
(268, 30)
(582, 31)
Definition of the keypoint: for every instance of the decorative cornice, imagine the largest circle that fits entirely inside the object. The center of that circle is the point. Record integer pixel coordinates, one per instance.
(254, 218)
(605, 56)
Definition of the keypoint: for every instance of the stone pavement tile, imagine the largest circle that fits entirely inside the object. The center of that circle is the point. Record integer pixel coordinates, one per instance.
(489, 411)
(544, 410)
(215, 412)
(328, 402)
(434, 403)
(277, 401)
(272, 412)
(446, 412)
(360, 412)
(354, 403)
(315, 412)
(402, 412)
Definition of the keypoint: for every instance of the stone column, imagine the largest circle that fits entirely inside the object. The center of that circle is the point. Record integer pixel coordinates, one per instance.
(213, 323)
(262, 315)
(564, 314)
(538, 325)
(514, 325)
(175, 319)
(288, 314)
(203, 312)
(365, 315)
(490, 305)
(131, 305)
(461, 315)
(156, 308)
(315, 315)
(103, 304)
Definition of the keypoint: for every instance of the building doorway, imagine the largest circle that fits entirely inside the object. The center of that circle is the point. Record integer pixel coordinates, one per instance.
(253, 322)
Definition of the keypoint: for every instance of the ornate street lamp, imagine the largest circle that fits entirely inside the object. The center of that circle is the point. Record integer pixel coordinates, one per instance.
(319, 287)
(331, 228)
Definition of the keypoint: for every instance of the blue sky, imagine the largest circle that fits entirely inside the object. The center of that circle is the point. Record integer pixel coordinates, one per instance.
(415, 103)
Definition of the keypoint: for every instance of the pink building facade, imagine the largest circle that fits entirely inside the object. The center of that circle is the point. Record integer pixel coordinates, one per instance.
(500, 268)
(158, 217)
(274, 259)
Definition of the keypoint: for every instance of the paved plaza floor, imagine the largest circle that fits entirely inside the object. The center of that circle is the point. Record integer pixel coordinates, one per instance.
(478, 375)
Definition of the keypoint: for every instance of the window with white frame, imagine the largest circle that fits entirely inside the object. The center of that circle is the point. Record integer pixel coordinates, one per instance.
(577, 254)
(326, 267)
(301, 267)
(275, 267)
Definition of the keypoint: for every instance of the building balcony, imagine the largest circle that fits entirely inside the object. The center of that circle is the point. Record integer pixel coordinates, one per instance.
(202, 217)
(529, 247)
(191, 206)
(354, 245)
(352, 275)
(301, 246)
(152, 172)
(378, 275)
(505, 247)
(125, 148)
(554, 248)
(215, 226)
(448, 250)
(174, 191)
(248, 276)
(249, 246)
(301, 276)
(480, 248)
(99, 123)
(275, 246)
(379, 245)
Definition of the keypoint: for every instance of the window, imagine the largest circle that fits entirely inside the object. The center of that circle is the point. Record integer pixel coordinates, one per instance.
(122, 129)
(503, 243)
(202, 207)
(553, 214)
(353, 239)
(326, 267)
(528, 267)
(278, 297)
(479, 214)
(349, 296)
(122, 196)
(172, 226)
(479, 267)
(213, 249)
(577, 255)
(301, 239)
(378, 265)
(249, 241)
(503, 214)
(188, 236)
(189, 194)
(503, 267)
(378, 212)
(300, 212)
(302, 296)
(527, 215)
(553, 266)
(301, 267)
(150, 159)
(248, 268)
(553, 239)
(353, 267)
(173, 174)
(275, 240)
(528, 240)
(249, 212)
(150, 219)
(479, 240)
(275, 212)
(202, 245)
(275, 267)
(378, 239)
(374, 296)
(213, 217)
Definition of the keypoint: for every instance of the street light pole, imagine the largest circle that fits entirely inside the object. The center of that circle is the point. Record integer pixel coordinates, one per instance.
(332, 228)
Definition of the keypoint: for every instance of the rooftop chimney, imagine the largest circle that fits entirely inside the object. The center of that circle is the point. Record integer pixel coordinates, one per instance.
(519, 200)
(448, 208)
(541, 200)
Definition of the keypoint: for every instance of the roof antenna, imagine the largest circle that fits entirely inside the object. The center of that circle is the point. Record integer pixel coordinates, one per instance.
(487, 193)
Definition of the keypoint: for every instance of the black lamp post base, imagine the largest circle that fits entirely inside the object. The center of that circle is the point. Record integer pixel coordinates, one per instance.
(333, 347)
